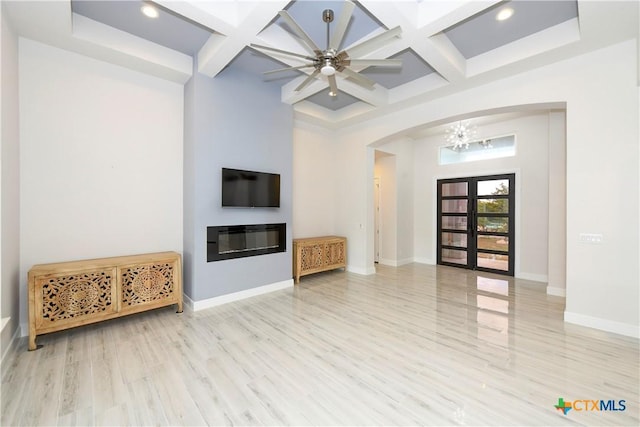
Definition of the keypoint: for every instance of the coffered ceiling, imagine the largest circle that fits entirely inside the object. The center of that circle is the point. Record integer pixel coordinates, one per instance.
(445, 46)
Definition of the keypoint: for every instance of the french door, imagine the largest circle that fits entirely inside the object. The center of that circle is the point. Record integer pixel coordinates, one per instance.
(476, 223)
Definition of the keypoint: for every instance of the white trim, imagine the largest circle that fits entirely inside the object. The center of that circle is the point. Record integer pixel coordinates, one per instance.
(4, 321)
(237, 296)
(359, 270)
(395, 262)
(534, 277)
(421, 260)
(12, 342)
(558, 292)
(187, 302)
(603, 324)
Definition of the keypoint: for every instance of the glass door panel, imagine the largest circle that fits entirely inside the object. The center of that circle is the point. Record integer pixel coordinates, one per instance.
(493, 261)
(454, 222)
(491, 187)
(455, 189)
(454, 206)
(494, 243)
(493, 224)
(455, 239)
(493, 206)
(454, 256)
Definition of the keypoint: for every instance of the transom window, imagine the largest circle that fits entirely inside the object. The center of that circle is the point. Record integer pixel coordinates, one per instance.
(484, 149)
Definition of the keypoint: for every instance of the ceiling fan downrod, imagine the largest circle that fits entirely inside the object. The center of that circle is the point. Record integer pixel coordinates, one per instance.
(326, 64)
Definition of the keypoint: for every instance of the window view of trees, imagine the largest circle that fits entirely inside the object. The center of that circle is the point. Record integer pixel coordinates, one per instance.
(493, 224)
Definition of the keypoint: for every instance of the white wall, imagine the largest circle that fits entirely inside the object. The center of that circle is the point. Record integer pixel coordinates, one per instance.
(101, 160)
(530, 164)
(600, 92)
(9, 178)
(314, 182)
(557, 264)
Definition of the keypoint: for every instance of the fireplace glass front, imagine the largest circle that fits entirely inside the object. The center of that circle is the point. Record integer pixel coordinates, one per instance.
(237, 241)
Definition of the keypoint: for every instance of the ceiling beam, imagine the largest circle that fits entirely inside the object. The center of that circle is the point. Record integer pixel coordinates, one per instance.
(423, 33)
(235, 25)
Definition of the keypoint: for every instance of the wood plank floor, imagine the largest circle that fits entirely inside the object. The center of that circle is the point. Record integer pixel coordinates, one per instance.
(413, 345)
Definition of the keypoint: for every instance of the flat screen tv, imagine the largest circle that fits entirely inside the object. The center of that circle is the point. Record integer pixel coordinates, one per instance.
(248, 189)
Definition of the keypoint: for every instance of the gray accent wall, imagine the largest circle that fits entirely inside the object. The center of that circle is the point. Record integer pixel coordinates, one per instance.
(237, 121)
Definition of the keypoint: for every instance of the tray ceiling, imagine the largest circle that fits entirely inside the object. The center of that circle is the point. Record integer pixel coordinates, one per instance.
(444, 45)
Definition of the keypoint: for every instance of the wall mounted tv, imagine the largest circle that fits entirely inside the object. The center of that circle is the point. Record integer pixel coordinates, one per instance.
(247, 189)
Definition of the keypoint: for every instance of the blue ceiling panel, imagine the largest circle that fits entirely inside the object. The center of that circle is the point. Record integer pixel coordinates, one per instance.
(413, 67)
(482, 32)
(308, 14)
(168, 29)
(334, 103)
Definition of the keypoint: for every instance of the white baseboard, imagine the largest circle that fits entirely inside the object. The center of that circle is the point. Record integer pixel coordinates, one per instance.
(12, 342)
(533, 277)
(558, 292)
(395, 262)
(4, 322)
(603, 324)
(421, 260)
(359, 270)
(237, 296)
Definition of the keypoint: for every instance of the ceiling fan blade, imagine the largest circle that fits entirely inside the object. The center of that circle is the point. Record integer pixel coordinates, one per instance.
(309, 44)
(341, 25)
(373, 43)
(377, 62)
(284, 52)
(308, 80)
(358, 78)
(289, 68)
(333, 85)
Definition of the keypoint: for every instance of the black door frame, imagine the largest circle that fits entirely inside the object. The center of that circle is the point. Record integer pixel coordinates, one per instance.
(472, 231)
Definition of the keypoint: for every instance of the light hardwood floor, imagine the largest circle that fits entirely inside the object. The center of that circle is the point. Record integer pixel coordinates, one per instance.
(410, 345)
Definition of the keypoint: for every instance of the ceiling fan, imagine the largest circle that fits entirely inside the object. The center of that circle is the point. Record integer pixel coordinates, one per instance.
(330, 60)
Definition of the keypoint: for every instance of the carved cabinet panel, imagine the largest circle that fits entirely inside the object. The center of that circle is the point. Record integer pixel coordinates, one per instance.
(316, 254)
(146, 283)
(71, 297)
(69, 294)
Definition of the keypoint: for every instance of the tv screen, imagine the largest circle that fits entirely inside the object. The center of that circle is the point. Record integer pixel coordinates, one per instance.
(247, 189)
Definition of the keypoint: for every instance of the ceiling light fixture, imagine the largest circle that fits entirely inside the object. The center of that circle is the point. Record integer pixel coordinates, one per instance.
(504, 14)
(149, 11)
(328, 69)
(459, 135)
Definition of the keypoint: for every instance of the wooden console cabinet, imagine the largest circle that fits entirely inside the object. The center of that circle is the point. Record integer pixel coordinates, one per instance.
(316, 254)
(69, 294)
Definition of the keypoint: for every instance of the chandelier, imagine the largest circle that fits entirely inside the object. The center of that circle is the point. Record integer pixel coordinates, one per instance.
(459, 135)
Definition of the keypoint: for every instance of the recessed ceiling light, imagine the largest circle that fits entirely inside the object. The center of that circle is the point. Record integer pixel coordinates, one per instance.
(504, 14)
(149, 11)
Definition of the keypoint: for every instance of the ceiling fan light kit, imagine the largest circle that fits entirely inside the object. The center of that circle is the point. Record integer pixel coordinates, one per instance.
(331, 60)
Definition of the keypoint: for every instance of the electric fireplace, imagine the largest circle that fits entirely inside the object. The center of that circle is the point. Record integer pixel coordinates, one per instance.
(238, 241)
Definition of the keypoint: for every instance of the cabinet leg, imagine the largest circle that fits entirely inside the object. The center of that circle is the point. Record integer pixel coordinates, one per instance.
(32, 343)
(179, 307)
